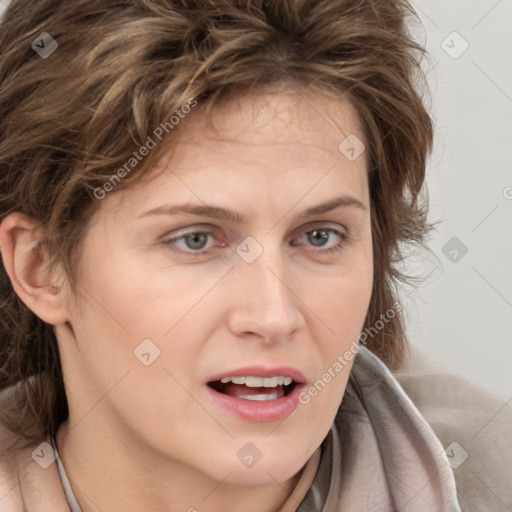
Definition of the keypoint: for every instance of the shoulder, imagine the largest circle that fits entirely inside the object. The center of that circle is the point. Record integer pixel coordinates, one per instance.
(474, 427)
(24, 484)
(10, 495)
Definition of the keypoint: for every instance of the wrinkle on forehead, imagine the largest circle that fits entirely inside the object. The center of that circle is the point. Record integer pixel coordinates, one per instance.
(273, 112)
(275, 118)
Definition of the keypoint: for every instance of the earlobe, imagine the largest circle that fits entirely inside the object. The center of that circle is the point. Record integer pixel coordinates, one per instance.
(25, 261)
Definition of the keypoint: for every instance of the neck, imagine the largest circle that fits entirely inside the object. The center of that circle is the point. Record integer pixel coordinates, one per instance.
(110, 472)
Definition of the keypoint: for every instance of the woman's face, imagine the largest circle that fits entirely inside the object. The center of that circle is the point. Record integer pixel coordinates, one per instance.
(273, 281)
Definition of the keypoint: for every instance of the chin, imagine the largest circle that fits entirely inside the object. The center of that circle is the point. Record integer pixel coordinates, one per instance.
(262, 474)
(274, 464)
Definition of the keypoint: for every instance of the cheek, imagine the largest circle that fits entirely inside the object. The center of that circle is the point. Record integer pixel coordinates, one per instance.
(124, 298)
(343, 307)
(343, 302)
(129, 319)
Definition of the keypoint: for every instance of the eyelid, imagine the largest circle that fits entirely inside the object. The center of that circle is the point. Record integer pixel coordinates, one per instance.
(189, 230)
(343, 230)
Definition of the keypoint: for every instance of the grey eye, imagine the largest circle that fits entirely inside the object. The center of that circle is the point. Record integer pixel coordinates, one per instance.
(318, 237)
(196, 240)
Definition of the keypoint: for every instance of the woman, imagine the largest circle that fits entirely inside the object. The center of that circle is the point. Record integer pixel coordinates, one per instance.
(202, 208)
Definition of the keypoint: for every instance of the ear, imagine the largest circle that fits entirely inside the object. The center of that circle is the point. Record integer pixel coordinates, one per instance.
(26, 264)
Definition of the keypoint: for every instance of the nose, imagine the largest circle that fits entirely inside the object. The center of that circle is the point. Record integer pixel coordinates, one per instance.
(265, 305)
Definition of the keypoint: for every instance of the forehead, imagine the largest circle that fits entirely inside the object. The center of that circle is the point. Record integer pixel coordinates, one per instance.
(284, 116)
(284, 129)
(309, 109)
(277, 144)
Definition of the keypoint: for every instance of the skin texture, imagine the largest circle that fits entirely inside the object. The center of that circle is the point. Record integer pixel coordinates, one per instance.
(137, 428)
(25, 486)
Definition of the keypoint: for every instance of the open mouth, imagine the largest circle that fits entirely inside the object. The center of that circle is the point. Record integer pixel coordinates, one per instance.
(254, 388)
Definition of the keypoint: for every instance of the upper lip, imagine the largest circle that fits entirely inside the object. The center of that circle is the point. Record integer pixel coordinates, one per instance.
(261, 371)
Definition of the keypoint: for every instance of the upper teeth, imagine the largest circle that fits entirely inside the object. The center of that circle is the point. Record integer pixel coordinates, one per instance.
(258, 382)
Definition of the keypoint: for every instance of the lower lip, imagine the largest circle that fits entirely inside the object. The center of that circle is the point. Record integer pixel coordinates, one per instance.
(258, 411)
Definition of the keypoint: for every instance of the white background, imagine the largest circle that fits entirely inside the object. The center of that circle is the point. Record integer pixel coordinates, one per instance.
(462, 312)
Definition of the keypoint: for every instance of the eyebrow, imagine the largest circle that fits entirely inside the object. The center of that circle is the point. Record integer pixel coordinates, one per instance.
(226, 214)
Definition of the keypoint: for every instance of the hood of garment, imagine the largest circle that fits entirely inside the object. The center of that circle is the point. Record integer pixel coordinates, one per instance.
(380, 454)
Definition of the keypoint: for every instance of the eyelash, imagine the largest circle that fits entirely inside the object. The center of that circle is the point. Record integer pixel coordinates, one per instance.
(343, 236)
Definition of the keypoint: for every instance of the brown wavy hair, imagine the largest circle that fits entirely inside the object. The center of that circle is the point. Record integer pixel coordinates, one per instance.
(122, 67)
